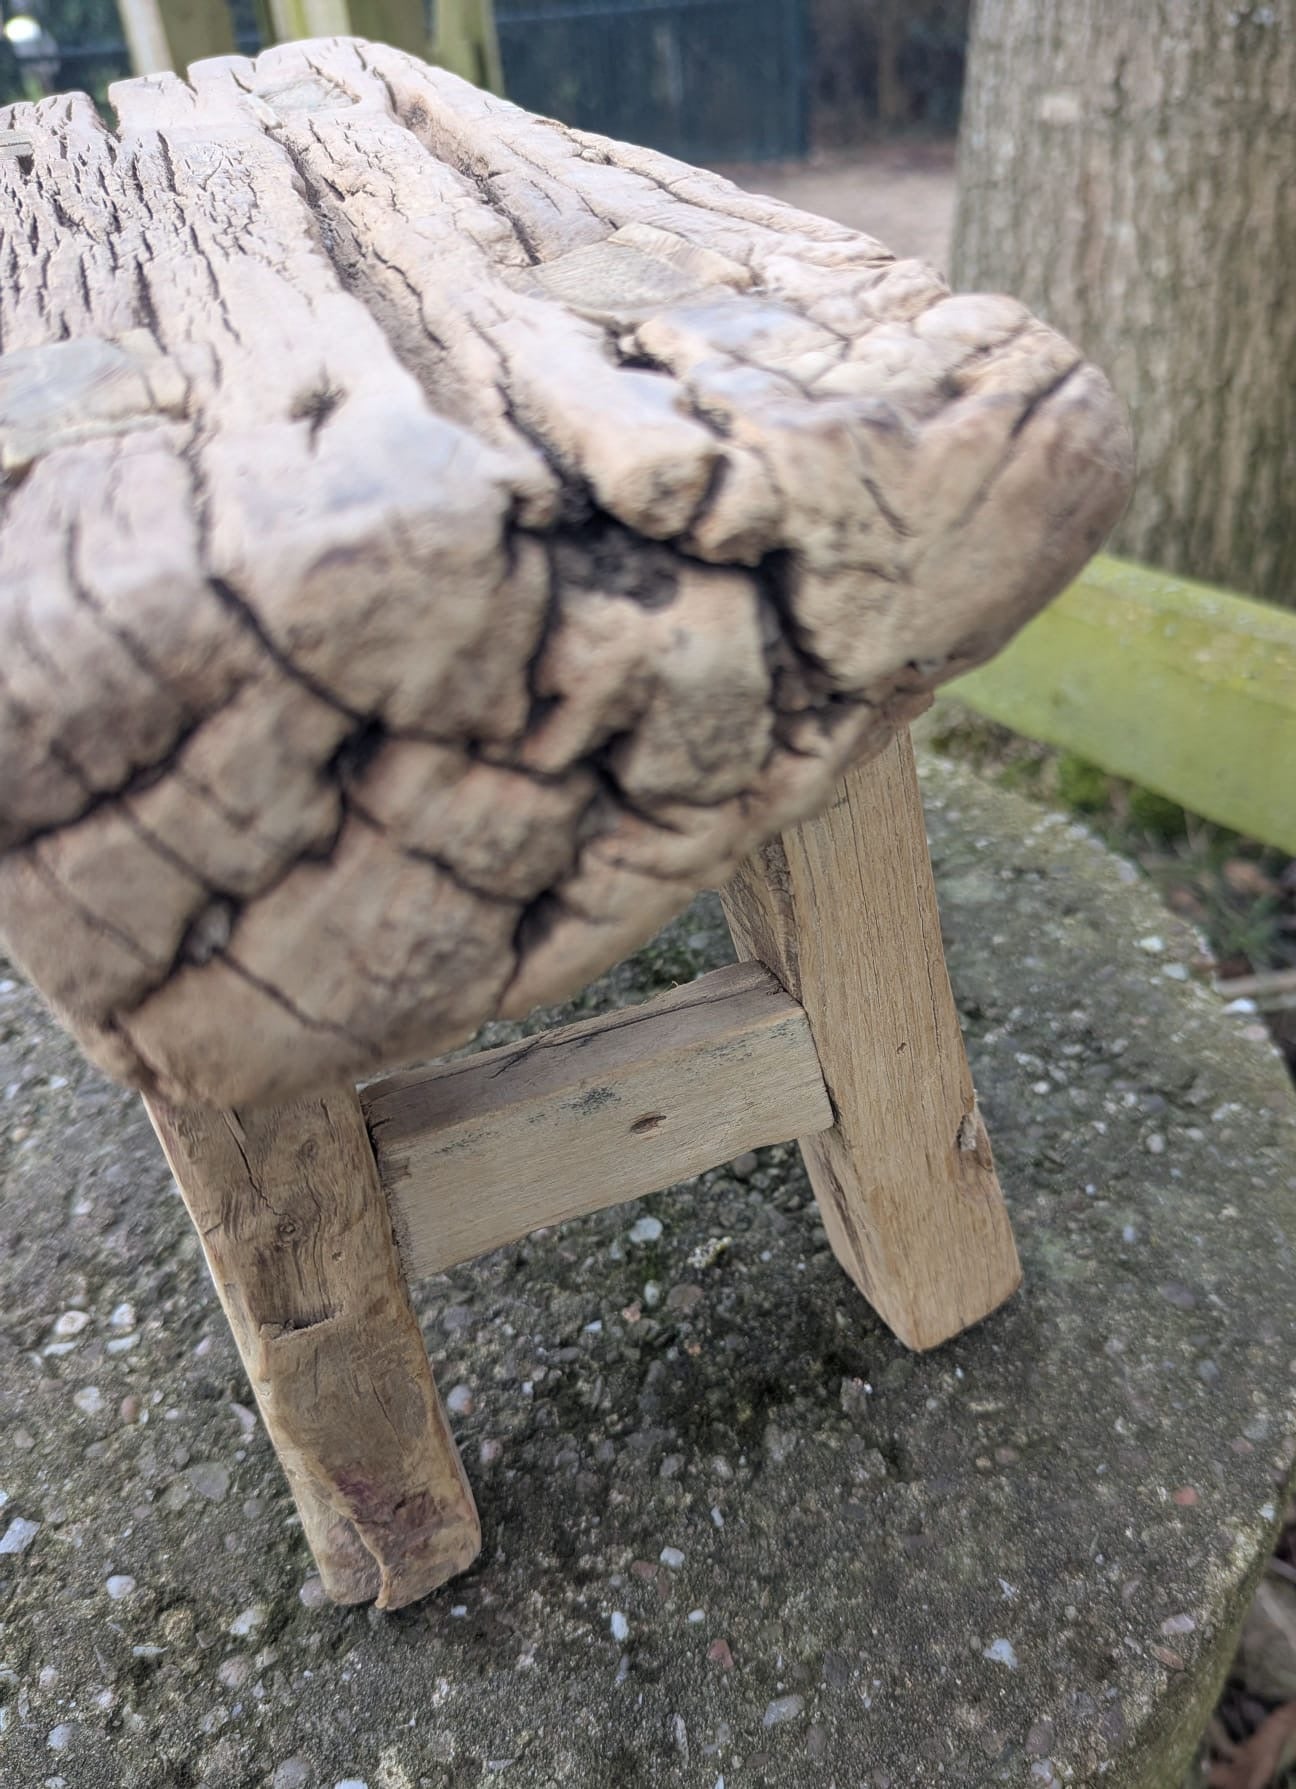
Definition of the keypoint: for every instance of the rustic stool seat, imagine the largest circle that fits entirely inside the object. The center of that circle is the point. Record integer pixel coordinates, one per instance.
(435, 544)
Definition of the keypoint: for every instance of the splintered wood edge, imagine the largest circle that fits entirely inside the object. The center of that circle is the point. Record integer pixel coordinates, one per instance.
(478, 1153)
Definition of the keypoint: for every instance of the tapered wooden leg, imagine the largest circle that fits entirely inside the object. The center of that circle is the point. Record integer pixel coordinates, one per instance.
(843, 910)
(298, 1238)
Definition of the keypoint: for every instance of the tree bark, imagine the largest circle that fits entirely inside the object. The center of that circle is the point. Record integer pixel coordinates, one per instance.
(1127, 172)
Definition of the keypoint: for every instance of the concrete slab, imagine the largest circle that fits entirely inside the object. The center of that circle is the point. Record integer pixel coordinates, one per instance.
(734, 1534)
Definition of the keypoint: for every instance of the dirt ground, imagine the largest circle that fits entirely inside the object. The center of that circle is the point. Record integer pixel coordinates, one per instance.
(902, 193)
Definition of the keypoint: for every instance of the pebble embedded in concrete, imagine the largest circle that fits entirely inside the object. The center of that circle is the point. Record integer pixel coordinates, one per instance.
(293, 1773)
(866, 1574)
(19, 1535)
(211, 1480)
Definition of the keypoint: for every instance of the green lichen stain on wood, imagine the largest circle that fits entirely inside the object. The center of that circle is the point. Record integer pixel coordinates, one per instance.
(1188, 690)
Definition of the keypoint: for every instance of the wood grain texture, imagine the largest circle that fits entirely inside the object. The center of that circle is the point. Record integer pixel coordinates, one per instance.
(298, 1238)
(434, 543)
(905, 1177)
(476, 1153)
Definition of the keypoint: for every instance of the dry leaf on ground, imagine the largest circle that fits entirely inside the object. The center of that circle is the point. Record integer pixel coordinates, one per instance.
(1256, 1765)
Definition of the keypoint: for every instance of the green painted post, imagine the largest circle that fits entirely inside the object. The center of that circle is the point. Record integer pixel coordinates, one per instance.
(196, 29)
(310, 18)
(166, 34)
(400, 23)
(467, 43)
(1188, 690)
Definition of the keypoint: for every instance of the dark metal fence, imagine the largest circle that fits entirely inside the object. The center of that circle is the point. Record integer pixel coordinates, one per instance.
(706, 80)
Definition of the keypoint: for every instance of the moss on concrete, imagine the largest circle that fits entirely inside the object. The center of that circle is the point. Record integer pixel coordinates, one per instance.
(1021, 1559)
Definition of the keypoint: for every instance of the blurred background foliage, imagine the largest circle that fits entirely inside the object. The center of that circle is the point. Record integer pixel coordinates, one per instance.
(886, 67)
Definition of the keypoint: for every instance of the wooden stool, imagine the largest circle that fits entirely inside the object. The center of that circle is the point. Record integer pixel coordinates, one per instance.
(436, 543)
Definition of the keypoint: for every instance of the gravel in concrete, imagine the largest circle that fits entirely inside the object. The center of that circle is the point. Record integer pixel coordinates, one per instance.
(734, 1533)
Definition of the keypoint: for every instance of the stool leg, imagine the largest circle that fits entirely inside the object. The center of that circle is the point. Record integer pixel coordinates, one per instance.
(843, 910)
(298, 1238)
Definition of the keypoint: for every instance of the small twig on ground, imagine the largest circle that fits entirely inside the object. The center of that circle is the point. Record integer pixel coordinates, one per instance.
(1273, 991)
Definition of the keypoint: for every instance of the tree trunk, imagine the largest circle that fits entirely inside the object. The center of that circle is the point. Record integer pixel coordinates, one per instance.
(1127, 171)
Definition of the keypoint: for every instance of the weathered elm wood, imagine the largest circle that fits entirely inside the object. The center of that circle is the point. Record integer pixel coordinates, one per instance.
(298, 1238)
(905, 1177)
(476, 1153)
(434, 543)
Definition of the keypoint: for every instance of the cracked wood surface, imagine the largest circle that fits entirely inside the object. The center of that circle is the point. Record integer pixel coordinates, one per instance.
(298, 1238)
(435, 542)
